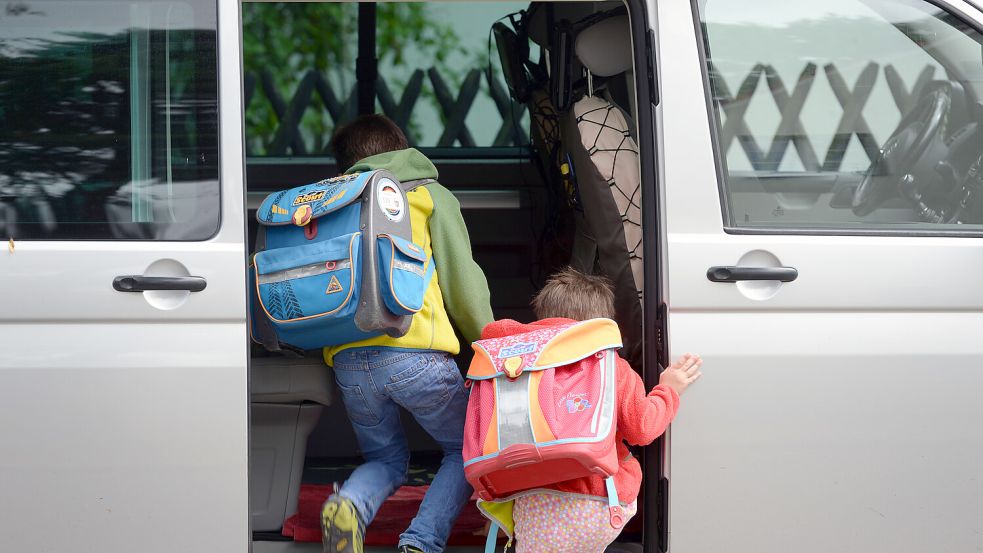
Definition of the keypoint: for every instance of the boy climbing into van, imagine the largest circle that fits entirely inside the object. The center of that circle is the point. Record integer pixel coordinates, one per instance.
(565, 517)
(416, 371)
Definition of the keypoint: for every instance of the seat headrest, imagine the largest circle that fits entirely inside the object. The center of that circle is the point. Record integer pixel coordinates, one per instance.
(605, 47)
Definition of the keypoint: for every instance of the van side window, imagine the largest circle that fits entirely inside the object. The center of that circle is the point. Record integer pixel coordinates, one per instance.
(108, 120)
(432, 76)
(845, 116)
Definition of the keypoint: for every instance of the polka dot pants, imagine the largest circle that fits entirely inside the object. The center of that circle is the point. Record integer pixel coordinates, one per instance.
(552, 523)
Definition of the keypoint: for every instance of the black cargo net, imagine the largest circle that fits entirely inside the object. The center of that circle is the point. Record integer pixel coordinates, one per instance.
(625, 198)
(545, 133)
(549, 223)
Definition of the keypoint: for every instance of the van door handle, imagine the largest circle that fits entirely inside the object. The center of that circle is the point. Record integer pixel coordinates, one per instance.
(140, 283)
(736, 274)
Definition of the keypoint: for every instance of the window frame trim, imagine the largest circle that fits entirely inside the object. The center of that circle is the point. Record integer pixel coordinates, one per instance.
(720, 161)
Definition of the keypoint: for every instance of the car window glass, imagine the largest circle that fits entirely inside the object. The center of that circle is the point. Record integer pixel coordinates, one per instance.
(108, 120)
(301, 81)
(846, 115)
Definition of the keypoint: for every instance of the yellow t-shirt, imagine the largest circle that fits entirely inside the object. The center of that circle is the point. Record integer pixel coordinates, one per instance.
(430, 327)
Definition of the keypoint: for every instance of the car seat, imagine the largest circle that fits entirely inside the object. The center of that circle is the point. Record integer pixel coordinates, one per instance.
(597, 135)
(586, 147)
(287, 396)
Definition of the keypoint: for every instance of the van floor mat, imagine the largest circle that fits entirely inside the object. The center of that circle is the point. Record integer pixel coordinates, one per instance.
(392, 519)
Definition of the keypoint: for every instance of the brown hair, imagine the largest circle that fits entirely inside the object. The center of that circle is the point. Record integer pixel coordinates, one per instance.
(573, 295)
(366, 136)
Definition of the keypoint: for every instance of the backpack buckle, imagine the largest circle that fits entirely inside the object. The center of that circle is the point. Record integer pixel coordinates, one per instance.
(617, 515)
(513, 367)
(302, 215)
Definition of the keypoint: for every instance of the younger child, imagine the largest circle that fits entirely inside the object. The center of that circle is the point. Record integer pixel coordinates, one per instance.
(573, 522)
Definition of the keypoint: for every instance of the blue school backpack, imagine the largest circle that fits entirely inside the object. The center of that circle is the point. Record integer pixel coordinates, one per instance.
(335, 263)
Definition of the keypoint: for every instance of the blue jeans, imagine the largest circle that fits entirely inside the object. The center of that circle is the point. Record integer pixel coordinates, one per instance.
(374, 383)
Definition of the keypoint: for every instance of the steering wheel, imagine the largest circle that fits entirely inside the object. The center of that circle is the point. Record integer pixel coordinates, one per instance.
(913, 135)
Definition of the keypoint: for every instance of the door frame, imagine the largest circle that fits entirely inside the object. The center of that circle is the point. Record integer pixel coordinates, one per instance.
(655, 491)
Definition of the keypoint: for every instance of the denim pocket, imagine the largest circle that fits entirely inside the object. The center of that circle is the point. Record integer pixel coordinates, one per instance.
(421, 389)
(356, 406)
(402, 378)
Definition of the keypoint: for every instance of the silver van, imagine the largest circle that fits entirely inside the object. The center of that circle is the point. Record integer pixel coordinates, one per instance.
(793, 189)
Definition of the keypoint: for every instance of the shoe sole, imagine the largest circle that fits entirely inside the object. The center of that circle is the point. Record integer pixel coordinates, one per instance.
(339, 528)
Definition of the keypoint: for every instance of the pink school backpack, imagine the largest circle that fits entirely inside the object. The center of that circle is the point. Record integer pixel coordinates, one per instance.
(542, 410)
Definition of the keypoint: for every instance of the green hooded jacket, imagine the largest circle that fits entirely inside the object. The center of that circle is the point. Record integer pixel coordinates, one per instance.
(458, 293)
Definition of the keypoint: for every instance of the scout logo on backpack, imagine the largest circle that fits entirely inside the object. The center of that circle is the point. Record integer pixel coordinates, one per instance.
(517, 349)
(541, 411)
(308, 198)
(336, 269)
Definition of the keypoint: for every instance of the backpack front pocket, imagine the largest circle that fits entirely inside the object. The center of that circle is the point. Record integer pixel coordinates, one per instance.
(320, 279)
(403, 274)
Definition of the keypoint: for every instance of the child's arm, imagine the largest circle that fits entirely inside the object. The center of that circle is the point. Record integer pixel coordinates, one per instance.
(462, 282)
(644, 417)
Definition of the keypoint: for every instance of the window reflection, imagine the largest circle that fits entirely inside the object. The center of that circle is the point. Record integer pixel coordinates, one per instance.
(108, 120)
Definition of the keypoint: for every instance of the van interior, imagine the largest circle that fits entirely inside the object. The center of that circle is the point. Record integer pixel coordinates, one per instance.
(555, 181)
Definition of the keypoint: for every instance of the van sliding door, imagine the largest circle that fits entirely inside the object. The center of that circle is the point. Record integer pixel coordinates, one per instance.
(123, 402)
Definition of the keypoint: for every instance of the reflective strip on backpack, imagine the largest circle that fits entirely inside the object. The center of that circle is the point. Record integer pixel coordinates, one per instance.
(602, 367)
(512, 399)
(605, 415)
(313, 269)
(612, 491)
(414, 184)
(404, 266)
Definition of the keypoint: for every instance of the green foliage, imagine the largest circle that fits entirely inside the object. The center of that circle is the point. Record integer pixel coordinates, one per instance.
(289, 39)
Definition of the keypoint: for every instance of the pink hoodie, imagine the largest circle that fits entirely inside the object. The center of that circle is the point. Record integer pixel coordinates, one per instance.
(641, 417)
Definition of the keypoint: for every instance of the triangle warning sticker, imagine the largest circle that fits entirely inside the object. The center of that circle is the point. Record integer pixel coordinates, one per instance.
(334, 286)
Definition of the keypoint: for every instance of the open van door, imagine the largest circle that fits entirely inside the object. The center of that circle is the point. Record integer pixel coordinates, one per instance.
(123, 343)
(824, 249)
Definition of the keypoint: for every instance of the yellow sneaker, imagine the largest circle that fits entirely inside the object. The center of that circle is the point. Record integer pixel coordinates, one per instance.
(341, 531)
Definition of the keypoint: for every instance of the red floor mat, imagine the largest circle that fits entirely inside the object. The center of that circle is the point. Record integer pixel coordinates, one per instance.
(392, 519)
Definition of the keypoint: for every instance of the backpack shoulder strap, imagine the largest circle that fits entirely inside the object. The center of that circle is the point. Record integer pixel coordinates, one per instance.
(492, 540)
(409, 186)
(414, 184)
(616, 514)
(260, 239)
